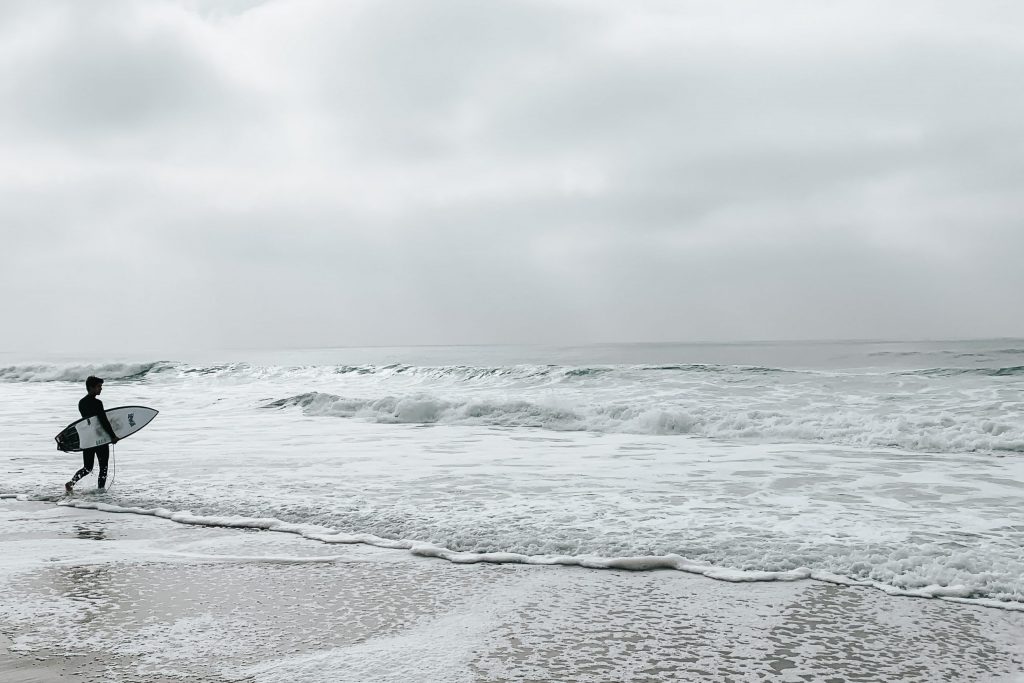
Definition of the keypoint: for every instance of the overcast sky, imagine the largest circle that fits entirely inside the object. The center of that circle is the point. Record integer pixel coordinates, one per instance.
(203, 174)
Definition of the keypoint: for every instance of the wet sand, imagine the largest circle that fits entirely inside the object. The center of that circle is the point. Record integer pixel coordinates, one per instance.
(90, 596)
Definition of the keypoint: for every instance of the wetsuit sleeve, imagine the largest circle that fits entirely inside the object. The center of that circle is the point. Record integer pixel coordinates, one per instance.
(104, 421)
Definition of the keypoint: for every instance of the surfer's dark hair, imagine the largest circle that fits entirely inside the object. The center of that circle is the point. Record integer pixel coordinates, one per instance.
(92, 381)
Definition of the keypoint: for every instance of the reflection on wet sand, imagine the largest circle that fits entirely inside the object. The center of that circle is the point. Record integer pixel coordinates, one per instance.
(91, 532)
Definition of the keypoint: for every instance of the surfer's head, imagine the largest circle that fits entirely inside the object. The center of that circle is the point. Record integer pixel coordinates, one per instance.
(94, 385)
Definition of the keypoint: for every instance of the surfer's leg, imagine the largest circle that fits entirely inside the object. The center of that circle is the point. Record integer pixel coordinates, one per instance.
(88, 456)
(102, 454)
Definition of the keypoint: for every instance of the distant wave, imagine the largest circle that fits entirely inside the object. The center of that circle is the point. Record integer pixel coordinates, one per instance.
(79, 372)
(465, 372)
(526, 371)
(468, 373)
(1011, 371)
(703, 367)
(811, 426)
(952, 354)
(136, 371)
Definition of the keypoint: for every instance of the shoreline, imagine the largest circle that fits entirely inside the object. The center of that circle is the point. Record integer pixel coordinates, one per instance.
(91, 595)
(957, 594)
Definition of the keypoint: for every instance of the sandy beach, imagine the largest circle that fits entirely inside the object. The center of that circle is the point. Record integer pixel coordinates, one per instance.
(91, 596)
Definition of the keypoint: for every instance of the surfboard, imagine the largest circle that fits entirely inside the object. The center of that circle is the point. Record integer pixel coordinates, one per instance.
(89, 433)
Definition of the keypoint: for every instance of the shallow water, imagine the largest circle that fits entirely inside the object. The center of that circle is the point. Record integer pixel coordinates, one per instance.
(98, 597)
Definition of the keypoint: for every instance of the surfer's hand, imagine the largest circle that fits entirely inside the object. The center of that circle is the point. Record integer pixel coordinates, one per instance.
(114, 440)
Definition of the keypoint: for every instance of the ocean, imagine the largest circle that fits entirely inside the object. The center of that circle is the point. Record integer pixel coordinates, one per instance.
(895, 465)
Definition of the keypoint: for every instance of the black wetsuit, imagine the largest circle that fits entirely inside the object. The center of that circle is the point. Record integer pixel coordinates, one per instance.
(90, 406)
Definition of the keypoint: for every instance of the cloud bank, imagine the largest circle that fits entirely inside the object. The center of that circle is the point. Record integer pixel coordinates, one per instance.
(308, 173)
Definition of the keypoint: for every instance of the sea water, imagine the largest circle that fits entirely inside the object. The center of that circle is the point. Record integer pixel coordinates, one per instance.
(893, 465)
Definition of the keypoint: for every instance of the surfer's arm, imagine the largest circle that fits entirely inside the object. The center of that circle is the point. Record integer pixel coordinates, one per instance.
(106, 425)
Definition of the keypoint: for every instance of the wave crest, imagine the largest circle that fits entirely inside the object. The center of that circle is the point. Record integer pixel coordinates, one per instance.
(925, 434)
(426, 409)
(44, 372)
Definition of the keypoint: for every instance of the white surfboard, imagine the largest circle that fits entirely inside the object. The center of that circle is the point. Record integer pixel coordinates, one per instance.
(89, 433)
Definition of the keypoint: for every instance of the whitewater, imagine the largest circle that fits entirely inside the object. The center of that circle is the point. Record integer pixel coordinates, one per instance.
(893, 465)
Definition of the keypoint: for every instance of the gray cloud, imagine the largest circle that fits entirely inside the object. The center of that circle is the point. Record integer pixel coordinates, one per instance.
(305, 172)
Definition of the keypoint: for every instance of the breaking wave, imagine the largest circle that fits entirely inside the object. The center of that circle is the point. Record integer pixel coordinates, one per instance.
(938, 409)
(424, 409)
(848, 427)
(44, 372)
(49, 372)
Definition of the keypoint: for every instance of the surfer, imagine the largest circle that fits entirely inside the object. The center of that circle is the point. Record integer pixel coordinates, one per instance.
(92, 406)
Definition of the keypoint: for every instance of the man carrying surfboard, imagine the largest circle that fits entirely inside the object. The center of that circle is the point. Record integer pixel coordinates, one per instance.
(92, 406)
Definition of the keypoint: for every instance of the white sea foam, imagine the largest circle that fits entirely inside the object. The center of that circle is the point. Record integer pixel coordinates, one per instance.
(935, 409)
(864, 426)
(961, 593)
